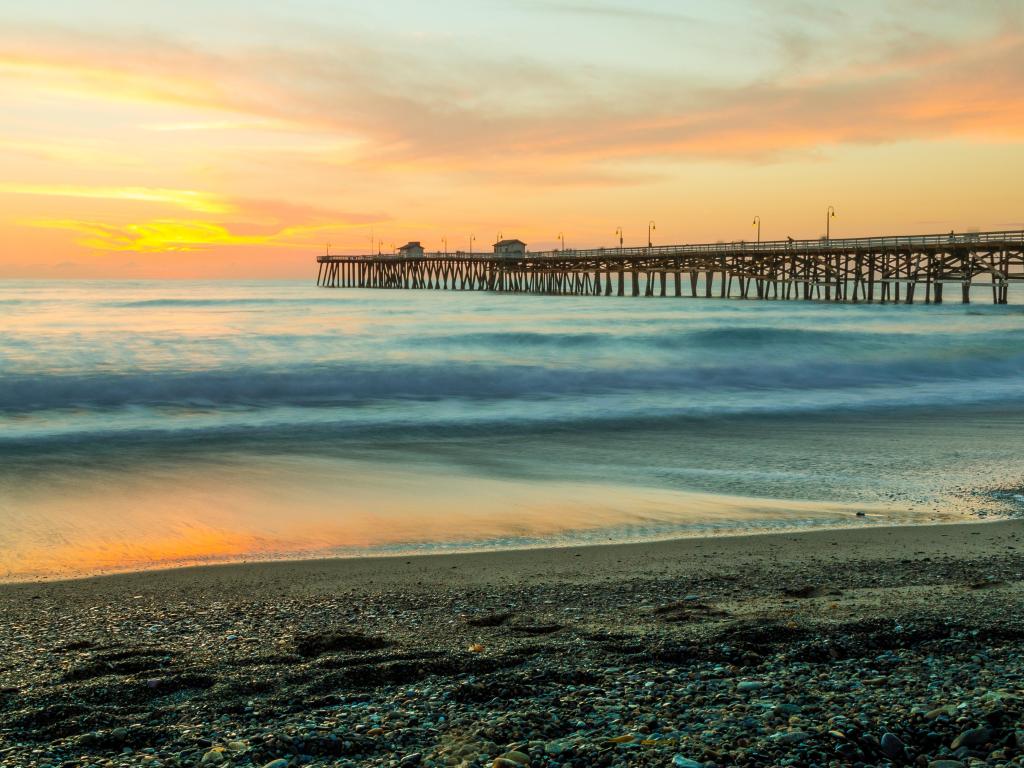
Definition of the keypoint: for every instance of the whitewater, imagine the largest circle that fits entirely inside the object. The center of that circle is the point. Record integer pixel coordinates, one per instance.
(147, 424)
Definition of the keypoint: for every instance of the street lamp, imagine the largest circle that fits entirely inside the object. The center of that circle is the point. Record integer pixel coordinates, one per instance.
(445, 241)
(757, 223)
(561, 236)
(830, 213)
(380, 246)
(618, 231)
(471, 239)
(650, 227)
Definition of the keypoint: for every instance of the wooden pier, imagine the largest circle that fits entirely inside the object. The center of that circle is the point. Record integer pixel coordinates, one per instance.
(901, 269)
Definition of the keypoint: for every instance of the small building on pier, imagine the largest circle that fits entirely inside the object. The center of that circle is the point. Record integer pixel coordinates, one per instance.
(510, 248)
(411, 249)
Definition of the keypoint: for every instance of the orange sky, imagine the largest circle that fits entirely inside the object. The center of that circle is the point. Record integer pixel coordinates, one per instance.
(225, 138)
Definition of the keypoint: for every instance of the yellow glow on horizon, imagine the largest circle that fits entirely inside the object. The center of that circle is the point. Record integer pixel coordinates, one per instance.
(152, 237)
(176, 235)
(189, 199)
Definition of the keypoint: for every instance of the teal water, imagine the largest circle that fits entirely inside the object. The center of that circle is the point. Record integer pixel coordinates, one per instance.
(152, 424)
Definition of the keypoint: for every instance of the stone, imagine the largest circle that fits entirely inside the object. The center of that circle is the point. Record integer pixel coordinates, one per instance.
(213, 757)
(684, 762)
(791, 737)
(974, 737)
(413, 759)
(520, 758)
(749, 685)
(892, 746)
(279, 763)
(945, 764)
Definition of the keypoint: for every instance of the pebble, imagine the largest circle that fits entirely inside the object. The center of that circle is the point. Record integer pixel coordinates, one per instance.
(684, 762)
(975, 737)
(791, 737)
(555, 747)
(517, 757)
(750, 685)
(213, 757)
(892, 746)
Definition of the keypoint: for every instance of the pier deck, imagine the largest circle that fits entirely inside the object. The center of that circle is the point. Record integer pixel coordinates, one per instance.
(875, 269)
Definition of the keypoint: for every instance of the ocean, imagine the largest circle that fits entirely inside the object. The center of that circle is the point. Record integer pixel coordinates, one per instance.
(156, 424)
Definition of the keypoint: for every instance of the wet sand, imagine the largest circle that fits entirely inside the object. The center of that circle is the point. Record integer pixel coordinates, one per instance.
(872, 645)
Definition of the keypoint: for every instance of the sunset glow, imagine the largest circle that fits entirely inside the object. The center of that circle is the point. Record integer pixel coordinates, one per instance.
(214, 139)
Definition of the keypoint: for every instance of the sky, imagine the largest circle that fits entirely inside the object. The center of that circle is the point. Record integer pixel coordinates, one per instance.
(241, 138)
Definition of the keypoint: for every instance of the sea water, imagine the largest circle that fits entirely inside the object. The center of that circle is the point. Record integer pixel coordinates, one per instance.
(150, 424)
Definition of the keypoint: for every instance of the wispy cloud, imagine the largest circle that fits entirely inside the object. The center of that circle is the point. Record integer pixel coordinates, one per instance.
(190, 200)
(179, 235)
(410, 107)
(617, 11)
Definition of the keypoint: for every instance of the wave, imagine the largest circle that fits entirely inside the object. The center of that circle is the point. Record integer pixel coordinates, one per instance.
(733, 339)
(524, 437)
(502, 339)
(745, 336)
(225, 302)
(342, 383)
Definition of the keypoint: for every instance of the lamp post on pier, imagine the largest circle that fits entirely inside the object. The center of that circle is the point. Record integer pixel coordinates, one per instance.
(618, 231)
(561, 236)
(445, 241)
(757, 223)
(380, 246)
(830, 213)
(471, 239)
(650, 228)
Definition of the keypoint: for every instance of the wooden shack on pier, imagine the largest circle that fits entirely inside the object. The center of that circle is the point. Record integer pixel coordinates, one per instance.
(411, 249)
(510, 248)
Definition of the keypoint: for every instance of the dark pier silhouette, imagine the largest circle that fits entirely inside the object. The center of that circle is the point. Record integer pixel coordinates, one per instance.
(875, 269)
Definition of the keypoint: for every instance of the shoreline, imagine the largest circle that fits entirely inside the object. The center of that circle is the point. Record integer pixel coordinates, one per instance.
(748, 535)
(878, 645)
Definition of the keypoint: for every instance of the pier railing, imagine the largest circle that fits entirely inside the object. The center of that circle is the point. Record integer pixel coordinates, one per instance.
(815, 246)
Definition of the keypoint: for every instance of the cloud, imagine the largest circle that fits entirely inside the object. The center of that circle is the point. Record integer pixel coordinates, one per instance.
(190, 200)
(183, 235)
(474, 116)
(412, 107)
(618, 12)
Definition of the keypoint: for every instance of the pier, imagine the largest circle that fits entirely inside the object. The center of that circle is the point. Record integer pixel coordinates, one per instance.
(898, 269)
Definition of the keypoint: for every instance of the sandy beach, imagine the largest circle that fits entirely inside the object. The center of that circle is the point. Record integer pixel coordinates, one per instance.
(871, 646)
